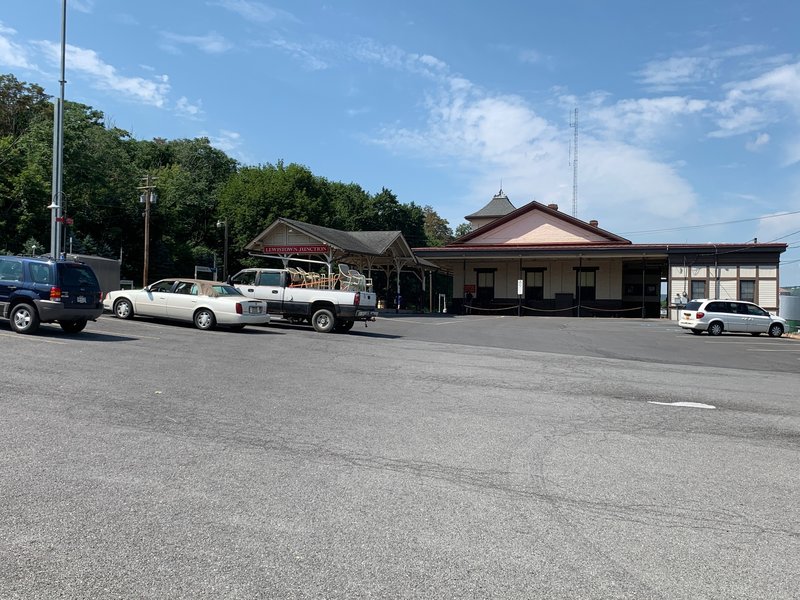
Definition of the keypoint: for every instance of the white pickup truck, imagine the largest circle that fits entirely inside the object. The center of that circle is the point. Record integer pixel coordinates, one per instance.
(326, 308)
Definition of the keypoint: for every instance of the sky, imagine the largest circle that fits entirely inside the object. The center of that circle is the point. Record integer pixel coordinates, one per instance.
(688, 113)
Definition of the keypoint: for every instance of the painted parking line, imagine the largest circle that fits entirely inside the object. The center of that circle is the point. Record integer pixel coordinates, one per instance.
(684, 404)
(122, 334)
(796, 350)
(31, 338)
(437, 322)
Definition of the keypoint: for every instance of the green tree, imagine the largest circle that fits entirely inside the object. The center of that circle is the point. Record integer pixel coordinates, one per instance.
(463, 229)
(437, 229)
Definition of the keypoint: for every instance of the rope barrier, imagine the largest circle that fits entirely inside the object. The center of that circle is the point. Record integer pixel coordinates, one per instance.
(473, 309)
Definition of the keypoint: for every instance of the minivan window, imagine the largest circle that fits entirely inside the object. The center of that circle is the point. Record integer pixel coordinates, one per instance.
(692, 305)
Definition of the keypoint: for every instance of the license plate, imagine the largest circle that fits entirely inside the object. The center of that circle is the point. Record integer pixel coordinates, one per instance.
(81, 299)
(255, 310)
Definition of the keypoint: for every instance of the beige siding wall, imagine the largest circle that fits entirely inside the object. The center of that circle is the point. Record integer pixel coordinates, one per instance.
(727, 289)
(748, 272)
(768, 294)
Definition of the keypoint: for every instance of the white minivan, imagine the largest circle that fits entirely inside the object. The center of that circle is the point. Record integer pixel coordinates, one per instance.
(736, 316)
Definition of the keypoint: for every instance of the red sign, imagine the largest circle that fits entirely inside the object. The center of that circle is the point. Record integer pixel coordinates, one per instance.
(295, 249)
(469, 288)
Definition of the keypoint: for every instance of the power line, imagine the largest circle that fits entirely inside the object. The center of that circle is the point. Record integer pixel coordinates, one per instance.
(712, 224)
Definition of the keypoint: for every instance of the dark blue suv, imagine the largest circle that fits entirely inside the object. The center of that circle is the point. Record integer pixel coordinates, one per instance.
(42, 290)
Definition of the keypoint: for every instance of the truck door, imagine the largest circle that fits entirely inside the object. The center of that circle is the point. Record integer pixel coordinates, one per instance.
(270, 287)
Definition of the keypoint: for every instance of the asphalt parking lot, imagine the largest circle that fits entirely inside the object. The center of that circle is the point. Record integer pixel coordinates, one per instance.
(420, 457)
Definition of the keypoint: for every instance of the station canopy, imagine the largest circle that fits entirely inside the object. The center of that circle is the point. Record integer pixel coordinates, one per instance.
(291, 240)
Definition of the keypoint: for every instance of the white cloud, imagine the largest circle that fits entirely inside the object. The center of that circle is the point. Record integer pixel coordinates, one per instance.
(304, 55)
(753, 104)
(493, 137)
(186, 109)
(761, 140)
(253, 11)
(644, 118)
(778, 85)
(12, 54)
(104, 76)
(211, 43)
(84, 6)
(671, 73)
(227, 141)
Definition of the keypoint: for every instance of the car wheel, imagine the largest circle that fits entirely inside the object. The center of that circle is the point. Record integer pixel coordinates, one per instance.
(344, 326)
(205, 319)
(775, 330)
(123, 309)
(73, 326)
(715, 328)
(696, 331)
(24, 318)
(323, 320)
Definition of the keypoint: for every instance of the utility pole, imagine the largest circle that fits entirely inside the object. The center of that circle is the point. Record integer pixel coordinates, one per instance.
(224, 223)
(147, 197)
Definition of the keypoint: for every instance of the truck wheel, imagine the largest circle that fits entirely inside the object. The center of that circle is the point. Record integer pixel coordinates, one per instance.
(323, 320)
(344, 326)
(24, 318)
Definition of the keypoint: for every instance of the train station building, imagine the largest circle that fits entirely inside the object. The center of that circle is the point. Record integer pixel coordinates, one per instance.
(538, 260)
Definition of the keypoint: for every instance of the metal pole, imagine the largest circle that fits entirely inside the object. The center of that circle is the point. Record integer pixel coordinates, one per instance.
(58, 147)
(147, 191)
(225, 256)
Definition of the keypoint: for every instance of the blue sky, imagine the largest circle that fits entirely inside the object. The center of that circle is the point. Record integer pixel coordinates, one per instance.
(688, 112)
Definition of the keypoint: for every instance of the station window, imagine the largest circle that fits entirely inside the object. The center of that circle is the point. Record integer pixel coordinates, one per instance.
(747, 290)
(698, 289)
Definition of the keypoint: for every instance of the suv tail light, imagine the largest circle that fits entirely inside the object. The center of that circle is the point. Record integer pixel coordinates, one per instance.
(700, 314)
(239, 308)
(357, 299)
(55, 294)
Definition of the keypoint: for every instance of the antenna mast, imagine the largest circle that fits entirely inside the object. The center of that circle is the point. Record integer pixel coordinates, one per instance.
(574, 125)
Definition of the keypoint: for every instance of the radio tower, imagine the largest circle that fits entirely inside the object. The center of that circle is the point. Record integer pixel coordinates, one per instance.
(574, 125)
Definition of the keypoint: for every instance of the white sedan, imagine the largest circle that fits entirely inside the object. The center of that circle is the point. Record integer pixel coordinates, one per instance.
(204, 303)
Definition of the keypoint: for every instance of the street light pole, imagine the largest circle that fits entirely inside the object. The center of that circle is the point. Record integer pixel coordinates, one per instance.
(58, 148)
(224, 223)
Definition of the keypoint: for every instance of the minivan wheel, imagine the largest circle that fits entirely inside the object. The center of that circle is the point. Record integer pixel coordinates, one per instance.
(123, 308)
(24, 318)
(715, 328)
(776, 330)
(73, 326)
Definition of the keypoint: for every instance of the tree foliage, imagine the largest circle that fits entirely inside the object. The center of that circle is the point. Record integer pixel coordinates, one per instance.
(196, 185)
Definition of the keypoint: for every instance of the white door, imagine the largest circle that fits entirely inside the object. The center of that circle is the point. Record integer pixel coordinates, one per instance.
(152, 302)
(182, 301)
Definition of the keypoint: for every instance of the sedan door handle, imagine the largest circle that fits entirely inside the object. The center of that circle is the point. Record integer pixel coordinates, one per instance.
(274, 291)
